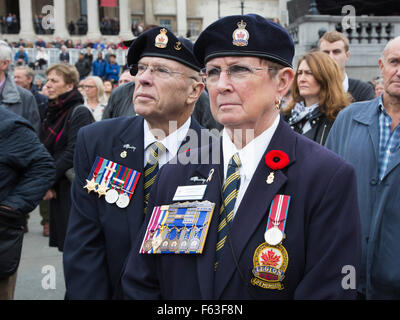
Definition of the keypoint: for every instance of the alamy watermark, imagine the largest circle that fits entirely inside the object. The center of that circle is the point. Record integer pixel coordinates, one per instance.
(349, 20)
(48, 18)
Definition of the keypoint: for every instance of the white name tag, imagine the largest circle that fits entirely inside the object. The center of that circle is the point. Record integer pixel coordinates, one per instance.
(195, 192)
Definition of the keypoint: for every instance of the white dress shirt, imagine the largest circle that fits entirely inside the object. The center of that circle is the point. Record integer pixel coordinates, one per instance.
(250, 156)
(171, 142)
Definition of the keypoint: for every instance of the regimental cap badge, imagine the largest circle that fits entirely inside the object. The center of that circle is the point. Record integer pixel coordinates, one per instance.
(161, 39)
(240, 35)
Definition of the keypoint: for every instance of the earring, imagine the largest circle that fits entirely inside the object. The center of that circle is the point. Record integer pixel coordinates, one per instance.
(278, 104)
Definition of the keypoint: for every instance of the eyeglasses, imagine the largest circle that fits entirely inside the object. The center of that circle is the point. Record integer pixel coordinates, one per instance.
(157, 70)
(236, 72)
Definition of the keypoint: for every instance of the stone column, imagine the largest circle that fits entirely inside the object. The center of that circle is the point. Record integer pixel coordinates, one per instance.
(181, 21)
(125, 20)
(59, 20)
(149, 12)
(26, 20)
(93, 20)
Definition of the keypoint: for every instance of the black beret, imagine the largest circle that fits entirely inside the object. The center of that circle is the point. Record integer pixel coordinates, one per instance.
(245, 35)
(161, 42)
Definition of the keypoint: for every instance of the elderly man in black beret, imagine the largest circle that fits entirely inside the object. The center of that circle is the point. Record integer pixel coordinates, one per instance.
(285, 221)
(116, 161)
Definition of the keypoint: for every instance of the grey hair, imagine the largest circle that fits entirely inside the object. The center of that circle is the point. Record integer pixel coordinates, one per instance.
(5, 52)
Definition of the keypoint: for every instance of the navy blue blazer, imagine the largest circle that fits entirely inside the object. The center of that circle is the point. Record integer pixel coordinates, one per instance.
(99, 234)
(322, 231)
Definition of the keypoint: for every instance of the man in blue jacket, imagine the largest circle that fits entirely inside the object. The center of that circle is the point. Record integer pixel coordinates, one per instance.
(112, 69)
(367, 134)
(285, 223)
(99, 66)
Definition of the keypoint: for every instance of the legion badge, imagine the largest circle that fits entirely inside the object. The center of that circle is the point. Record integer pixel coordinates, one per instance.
(270, 259)
(161, 40)
(269, 266)
(241, 35)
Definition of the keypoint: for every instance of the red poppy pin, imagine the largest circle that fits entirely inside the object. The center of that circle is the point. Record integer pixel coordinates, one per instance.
(276, 160)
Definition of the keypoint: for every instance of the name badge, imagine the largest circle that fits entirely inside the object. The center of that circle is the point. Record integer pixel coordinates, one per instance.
(195, 192)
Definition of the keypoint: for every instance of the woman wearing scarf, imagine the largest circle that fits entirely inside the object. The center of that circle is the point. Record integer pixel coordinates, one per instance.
(65, 116)
(317, 96)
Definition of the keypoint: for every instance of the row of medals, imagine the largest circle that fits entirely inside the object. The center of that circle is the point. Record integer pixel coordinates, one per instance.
(111, 195)
(181, 244)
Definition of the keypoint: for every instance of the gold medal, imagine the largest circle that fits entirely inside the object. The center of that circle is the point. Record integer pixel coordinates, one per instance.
(90, 185)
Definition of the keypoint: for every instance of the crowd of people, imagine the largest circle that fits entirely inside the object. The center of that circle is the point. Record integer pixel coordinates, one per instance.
(101, 122)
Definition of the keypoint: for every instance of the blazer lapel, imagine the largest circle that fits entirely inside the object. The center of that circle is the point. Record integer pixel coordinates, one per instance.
(254, 206)
(130, 143)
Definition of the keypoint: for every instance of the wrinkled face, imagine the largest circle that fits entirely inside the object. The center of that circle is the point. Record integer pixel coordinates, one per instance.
(390, 69)
(21, 79)
(56, 85)
(309, 88)
(336, 51)
(241, 102)
(158, 98)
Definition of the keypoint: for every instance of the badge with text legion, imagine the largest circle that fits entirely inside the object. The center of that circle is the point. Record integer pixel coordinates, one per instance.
(271, 259)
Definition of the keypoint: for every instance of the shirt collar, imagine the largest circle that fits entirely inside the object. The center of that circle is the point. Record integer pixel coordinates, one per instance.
(346, 83)
(251, 154)
(171, 142)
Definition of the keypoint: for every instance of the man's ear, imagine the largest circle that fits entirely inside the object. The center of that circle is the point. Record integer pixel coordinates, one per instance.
(196, 90)
(285, 78)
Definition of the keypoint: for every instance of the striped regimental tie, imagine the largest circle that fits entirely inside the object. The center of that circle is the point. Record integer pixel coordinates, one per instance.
(151, 169)
(230, 192)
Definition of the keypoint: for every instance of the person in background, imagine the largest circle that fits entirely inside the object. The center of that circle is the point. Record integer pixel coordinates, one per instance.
(367, 134)
(317, 96)
(66, 114)
(108, 88)
(99, 66)
(83, 66)
(23, 77)
(112, 69)
(379, 87)
(95, 98)
(41, 58)
(64, 55)
(21, 57)
(125, 77)
(337, 46)
(15, 98)
(26, 171)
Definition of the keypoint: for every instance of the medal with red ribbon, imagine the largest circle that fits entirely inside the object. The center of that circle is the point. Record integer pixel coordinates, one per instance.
(277, 219)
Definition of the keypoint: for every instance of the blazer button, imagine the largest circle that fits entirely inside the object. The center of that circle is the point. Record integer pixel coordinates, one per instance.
(374, 181)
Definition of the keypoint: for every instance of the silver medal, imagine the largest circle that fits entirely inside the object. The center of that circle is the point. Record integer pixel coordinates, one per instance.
(194, 245)
(273, 236)
(123, 201)
(112, 196)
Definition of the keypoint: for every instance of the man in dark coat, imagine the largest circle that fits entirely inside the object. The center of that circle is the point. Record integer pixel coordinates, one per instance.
(26, 171)
(285, 223)
(102, 228)
(337, 46)
(83, 66)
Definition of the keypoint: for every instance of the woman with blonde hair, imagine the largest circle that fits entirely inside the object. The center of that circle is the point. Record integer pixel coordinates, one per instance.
(95, 98)
(317, 96)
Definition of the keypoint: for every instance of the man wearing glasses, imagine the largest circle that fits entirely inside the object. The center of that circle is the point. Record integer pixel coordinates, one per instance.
(285, 223)
(116, 162)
